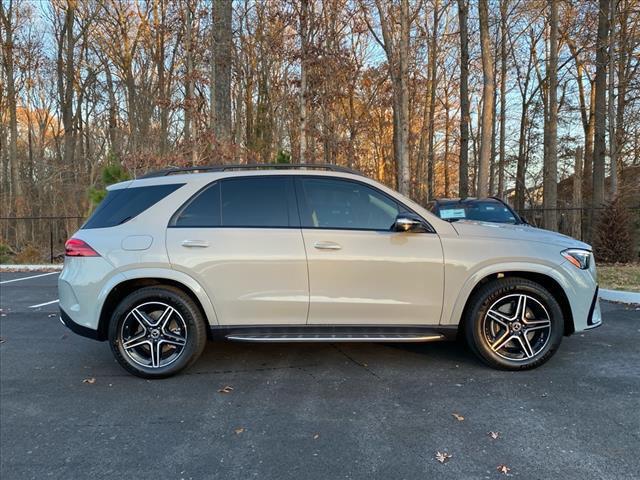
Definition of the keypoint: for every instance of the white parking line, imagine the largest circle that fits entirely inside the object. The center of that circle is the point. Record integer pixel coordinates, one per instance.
(27, 278)
(43, 304)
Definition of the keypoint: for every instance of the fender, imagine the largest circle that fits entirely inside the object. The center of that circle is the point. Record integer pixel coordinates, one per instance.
(161, 273)
(452, 314)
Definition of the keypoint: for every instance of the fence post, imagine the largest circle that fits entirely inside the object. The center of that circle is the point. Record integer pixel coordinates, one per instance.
(50, 241)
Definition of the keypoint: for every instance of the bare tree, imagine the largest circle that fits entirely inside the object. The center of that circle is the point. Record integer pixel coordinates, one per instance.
(487, 101)
(222, 55)
(463, 13)
(550, 176)
(599, 145)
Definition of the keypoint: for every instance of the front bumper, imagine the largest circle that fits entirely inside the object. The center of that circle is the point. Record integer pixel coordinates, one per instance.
(594, 318)
(77, 328)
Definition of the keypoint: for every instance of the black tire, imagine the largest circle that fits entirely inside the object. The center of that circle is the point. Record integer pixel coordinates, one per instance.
(177, 347)
(529, 344)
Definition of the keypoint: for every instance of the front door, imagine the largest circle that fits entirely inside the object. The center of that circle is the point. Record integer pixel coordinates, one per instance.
(360, 271)
(240, 238)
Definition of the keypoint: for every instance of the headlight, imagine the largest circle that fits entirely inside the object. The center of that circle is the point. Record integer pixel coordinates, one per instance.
(580, 258)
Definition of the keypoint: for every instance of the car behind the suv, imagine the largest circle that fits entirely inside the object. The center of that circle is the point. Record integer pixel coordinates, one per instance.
(312, 253)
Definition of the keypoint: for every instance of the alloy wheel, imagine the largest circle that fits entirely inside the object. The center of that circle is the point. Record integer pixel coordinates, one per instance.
(517, 327)
(153, 334)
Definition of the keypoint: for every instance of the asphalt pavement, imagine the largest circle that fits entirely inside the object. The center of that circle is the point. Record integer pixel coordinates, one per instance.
(312, 411)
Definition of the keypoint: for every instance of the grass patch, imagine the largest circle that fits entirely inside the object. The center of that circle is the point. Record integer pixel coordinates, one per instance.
(619, 276)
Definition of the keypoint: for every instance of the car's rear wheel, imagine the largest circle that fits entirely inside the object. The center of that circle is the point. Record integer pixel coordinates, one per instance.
(157, 331)
(514, 324)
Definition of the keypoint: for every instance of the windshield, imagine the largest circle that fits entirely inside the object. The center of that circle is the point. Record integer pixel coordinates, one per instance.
(481, 211)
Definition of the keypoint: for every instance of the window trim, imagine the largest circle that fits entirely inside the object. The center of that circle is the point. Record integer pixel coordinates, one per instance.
(302, 205)
(292, 204)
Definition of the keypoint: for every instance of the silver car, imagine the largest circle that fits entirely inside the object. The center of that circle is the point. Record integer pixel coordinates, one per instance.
(309, 253)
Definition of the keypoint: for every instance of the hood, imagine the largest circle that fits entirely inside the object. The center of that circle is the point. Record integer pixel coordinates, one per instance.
(525, 233)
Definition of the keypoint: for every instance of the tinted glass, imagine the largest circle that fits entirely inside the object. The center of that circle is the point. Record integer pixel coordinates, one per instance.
(124, 204)
(345, 205)
(256, 202)
(203, 210)
(481, 211)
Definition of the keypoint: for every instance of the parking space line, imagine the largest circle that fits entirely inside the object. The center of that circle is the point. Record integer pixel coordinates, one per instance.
(43, 304)
(27, 278)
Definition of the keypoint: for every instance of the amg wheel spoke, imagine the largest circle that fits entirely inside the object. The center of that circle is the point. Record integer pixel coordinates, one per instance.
(156, 350)
(165, 317)
(135, 341)
(536, 327)
(501, 318)
(142, 318)
(521, 308)
(526, 346)
(501, 342)
(172, 339)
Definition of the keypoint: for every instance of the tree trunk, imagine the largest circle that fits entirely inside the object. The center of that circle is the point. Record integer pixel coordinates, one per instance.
(304, 34)
(404, 168)
(463, 181)
(504, 4)
(433, 84)
(576, 223)
(222, 53)
(550, 168)
(613, 146)
(487, 101)
(188, 82)
(599, 145)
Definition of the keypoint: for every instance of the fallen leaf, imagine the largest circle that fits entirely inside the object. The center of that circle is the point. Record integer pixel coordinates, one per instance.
(226, 389)
(89, 380)
(503, 469)
(2, 340)
(458, 416)
(52, 315)
(316, 436)
(443, 457)
(239, 430)
(494, 435)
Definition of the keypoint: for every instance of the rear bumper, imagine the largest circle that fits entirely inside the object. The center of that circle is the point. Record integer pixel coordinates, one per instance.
(77, 328)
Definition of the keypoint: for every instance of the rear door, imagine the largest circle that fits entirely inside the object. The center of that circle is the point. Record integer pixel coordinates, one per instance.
(240, 238)
(360, 271)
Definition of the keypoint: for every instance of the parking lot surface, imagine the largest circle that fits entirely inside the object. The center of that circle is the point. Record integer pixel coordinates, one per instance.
(312, 411)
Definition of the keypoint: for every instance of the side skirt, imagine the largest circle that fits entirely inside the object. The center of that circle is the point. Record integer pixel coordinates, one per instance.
(334, 333)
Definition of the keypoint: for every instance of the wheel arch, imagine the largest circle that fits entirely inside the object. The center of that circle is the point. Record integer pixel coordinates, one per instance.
(544, 277)
(135, 280)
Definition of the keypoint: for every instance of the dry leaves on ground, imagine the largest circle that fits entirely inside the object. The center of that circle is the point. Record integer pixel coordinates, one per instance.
(443, 457)
(494, 435)
(316, 436)
(239, 430)
(2, 340)
(226, 389)
(89, 380)
(503, 469)
(458, 417)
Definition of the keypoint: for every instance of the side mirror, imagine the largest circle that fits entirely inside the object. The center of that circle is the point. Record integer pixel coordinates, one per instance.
(406, 222)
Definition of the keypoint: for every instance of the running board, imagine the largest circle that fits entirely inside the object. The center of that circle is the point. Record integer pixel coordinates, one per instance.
(335, 337)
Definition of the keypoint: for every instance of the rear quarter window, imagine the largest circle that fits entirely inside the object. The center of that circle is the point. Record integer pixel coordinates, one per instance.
(120, 206)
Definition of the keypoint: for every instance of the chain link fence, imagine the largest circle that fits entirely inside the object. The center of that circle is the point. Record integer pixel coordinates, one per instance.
(35, 239)
(41, 239)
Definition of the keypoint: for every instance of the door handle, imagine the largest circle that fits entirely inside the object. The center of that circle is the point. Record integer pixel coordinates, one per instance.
(327, 246)
(195, 243)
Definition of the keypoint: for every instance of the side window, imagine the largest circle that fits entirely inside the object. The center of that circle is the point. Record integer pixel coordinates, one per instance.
(339, 204)
(203, 210)
(261, 202)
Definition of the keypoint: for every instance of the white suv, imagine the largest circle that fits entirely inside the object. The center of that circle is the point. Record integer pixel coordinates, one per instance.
(300, 253)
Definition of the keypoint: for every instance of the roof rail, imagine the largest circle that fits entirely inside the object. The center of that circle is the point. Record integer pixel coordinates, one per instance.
(255, 166)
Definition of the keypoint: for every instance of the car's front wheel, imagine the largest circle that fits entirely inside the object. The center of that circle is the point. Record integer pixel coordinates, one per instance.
(157, 331)
(514, 324)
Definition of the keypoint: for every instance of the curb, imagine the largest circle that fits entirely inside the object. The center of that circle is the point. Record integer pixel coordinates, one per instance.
(620, 296)
(30, 268)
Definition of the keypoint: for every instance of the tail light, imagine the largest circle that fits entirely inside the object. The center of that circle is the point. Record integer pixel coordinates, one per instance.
(79, 248)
